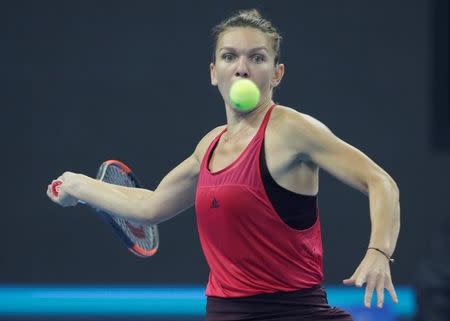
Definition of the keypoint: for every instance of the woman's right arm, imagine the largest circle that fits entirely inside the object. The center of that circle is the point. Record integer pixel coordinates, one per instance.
(174, 194)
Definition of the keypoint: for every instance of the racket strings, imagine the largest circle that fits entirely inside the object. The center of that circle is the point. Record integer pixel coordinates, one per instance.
(142, 235)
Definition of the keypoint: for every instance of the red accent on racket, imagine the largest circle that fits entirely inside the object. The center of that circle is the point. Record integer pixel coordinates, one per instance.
(55, 189)
(141, 239)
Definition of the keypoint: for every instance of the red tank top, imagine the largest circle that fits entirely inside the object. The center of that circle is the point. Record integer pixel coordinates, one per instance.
(248, 247)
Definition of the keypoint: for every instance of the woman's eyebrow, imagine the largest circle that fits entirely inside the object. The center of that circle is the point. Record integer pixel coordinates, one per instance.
(259, 48)
(251, 50)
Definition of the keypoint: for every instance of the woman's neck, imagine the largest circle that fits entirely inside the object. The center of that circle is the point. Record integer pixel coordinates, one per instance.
(239, 123)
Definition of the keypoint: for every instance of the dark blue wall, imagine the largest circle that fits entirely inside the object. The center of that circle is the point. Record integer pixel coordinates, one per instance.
(93, 80)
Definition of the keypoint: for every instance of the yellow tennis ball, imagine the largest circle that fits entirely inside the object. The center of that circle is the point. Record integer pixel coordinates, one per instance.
(244, 94)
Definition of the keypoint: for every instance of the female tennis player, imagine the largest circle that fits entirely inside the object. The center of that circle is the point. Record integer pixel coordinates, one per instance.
(254, 183)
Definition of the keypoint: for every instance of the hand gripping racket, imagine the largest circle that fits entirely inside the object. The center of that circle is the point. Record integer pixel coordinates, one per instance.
(142, 240)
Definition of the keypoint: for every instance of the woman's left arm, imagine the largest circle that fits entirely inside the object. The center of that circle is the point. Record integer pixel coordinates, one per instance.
(354, 168)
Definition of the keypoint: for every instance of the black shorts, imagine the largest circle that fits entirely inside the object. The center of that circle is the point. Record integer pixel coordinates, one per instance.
(302, 305)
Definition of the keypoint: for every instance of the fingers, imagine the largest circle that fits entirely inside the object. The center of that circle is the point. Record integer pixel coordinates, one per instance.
(375, 272)
(360, 280)
(49, 190)
(371, 282)
(57, 192)
(352, 279)
(375, 282)
(391, 290)
(379, 283)
(380, 292)
(357, 279)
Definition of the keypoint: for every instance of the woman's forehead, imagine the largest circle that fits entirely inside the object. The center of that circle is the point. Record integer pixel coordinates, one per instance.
(243, 37)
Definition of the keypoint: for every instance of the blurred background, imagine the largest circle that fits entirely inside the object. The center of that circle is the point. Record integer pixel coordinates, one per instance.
(86, 81)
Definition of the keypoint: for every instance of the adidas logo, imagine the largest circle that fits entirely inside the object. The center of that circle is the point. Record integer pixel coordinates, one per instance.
(214, 203)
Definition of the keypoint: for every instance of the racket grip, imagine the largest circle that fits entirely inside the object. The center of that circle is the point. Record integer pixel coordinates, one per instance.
(55, 188)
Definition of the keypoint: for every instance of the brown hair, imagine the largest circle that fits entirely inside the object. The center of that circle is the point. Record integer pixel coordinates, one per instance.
(248, 18)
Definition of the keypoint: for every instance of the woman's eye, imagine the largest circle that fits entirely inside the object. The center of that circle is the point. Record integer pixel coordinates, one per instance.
(228, 57)
(258, 59)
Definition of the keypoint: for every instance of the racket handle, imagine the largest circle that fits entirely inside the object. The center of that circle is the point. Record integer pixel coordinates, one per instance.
(56, 189)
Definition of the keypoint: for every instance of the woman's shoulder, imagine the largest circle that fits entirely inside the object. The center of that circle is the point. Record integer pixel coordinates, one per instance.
(291, 119)
(297, 131)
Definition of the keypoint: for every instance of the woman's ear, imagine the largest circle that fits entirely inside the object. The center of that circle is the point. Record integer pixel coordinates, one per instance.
(212, 71)
(277, 75)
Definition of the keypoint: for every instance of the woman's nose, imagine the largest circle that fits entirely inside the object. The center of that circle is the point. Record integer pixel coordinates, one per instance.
(241, 69)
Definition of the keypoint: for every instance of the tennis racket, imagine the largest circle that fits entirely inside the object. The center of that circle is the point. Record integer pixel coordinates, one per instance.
(142, 240)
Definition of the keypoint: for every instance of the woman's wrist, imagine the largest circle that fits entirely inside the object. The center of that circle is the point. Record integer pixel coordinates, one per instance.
(389, 257)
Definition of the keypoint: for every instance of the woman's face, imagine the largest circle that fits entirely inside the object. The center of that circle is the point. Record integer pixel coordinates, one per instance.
(245, 53)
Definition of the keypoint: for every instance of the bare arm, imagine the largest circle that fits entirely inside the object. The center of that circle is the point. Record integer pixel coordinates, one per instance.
(174, 194)
(354, 168)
